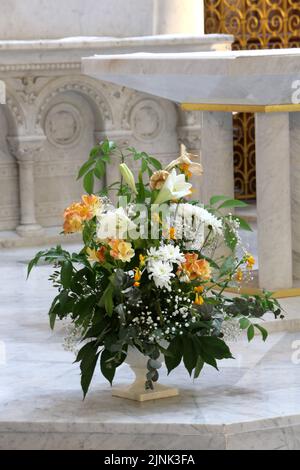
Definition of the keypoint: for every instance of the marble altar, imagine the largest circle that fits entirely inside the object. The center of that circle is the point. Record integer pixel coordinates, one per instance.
(264, 82)
(54, 115)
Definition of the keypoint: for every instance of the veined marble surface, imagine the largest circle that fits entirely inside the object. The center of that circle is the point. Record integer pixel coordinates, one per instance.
(256, 77)
(253, 402)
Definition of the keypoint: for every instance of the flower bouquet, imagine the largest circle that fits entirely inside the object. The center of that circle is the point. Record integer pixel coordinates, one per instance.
(152, 274)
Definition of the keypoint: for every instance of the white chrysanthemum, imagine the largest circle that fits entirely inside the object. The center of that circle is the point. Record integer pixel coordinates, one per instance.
(114, 224)
(188, 211)
(153, 253)
(171, 253)
(161, 273)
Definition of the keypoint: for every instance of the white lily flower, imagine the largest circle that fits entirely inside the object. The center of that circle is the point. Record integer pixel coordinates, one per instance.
(185, 159)
(175, 187)
(114, 224)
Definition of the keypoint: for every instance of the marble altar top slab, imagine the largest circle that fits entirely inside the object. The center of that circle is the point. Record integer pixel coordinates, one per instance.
(253, 402)
(257, 77)
(70, 49)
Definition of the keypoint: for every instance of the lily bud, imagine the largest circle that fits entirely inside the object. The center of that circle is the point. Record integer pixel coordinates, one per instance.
(128, 177)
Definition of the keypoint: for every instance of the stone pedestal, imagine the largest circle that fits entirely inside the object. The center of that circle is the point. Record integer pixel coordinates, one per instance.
(26, 149)
(273, 200)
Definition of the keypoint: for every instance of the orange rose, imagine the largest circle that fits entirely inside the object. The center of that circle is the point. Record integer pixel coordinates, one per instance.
(195, 268)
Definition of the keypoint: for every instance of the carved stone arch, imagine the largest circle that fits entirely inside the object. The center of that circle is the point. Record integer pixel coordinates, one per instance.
(88, 88)
(15, 114)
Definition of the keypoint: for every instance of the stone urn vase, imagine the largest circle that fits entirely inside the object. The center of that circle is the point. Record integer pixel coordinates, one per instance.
(136, 391)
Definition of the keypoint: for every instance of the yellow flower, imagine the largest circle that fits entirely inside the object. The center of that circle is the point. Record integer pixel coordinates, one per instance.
(239, 275)
(250, 261)
(92, 202)
(142, 259)
(172, 233)
(137, 277)
(74, 217)
(199, 289)
(121, 250)
(199, 300)
(97, 256)
(185, 168)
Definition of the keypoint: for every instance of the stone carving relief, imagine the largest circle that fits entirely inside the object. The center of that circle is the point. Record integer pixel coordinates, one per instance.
(63, 125)
(83, 87)
(147, 120)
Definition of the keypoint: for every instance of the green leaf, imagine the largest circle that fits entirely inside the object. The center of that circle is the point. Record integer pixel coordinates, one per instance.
(108, 369)
(88, 182)
(250, 332)
(88, 357)
(215, 346)
(263, 331)
(34, 261)
(99, 170)
(107, 146)
(189, 354)
(173, 359)
(87, 371)
(155, 163)
(244, 323)
(232, 203)
(107, 299)
(66, 274)
(199, 367)
(85, 167)
(214, 199)
(52, 312)
(144, 166)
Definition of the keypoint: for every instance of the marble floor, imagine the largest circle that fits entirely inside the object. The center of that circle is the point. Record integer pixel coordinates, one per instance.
(252, 403)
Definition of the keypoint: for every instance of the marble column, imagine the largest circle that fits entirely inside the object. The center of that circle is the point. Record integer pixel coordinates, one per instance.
(273, 200)
(189, 134)
(26, 149)
(217, 155)
(295, 189)
(2, 92)
(178, 16)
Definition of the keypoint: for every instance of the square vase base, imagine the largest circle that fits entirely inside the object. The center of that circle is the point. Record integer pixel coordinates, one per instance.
(140, 394)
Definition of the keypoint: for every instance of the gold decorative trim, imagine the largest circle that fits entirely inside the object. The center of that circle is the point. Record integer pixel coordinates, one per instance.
(241, 108)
